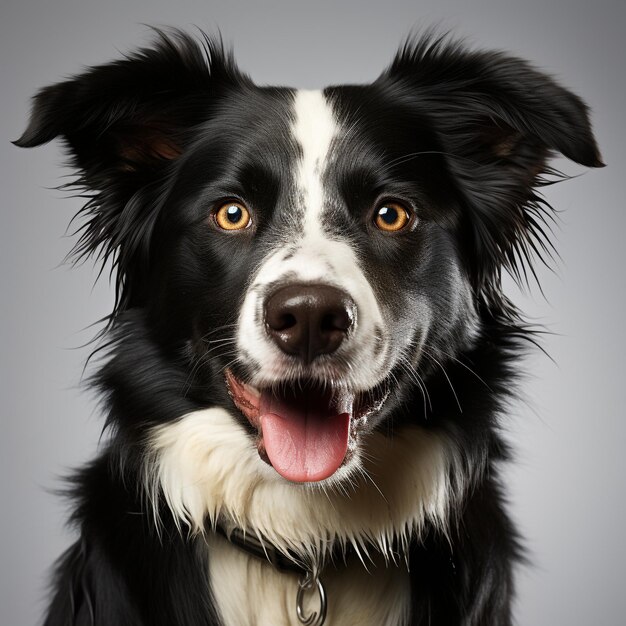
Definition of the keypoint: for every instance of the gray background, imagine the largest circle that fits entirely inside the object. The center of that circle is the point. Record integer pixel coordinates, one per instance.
(567, 485)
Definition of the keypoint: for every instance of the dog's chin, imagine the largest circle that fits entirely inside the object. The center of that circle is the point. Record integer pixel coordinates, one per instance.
(306, 430)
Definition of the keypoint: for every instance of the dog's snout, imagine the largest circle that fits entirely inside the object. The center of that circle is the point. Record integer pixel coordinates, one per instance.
(309, 319)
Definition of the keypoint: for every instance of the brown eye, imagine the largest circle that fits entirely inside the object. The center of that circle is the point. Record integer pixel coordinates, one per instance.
(232, 216)
(392, 217)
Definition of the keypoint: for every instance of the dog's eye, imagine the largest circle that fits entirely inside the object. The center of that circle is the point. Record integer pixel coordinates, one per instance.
(392, 217)
(232, 216)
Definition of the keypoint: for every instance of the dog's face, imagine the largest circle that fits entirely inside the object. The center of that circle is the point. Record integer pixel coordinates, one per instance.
(309, 256)
(301, 260)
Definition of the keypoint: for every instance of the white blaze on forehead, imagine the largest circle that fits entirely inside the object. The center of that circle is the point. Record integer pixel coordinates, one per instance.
(315, 255)
(314, 129)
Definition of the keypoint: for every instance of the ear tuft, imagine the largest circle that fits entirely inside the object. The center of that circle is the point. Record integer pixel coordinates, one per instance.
(41, 126)
(136, 111)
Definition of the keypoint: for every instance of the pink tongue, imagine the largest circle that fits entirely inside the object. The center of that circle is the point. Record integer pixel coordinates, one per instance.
(304, 441)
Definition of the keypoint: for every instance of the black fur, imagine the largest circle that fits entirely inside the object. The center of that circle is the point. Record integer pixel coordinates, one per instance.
(161, 135)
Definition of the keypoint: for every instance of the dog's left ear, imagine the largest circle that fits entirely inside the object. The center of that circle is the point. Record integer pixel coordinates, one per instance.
(502, 96)
(498, 121)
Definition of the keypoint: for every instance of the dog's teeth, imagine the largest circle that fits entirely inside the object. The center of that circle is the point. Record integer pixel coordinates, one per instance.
(344, 401)
(253, 391)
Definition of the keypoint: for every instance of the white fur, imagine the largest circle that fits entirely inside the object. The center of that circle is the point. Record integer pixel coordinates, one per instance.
(314, 129)
(317, 257)
(208, 469)
(334, 263)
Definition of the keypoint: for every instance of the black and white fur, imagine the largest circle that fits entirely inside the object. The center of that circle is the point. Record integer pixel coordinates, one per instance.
(159, 138)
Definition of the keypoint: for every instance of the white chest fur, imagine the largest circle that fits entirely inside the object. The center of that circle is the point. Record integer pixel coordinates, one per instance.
(249, 592)
(208, 469)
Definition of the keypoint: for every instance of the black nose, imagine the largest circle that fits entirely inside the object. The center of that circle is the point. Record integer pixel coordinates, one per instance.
(309, 319)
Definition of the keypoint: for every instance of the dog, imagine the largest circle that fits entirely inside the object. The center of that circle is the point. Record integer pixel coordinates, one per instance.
(310, 354)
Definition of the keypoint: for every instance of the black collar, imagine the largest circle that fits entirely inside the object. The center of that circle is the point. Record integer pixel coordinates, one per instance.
(291, 561)
(264, 551)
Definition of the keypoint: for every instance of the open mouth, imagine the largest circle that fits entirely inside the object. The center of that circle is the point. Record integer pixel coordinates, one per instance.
(306, 431)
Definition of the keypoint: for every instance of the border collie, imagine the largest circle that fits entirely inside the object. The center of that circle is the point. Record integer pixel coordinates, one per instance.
(310, 351)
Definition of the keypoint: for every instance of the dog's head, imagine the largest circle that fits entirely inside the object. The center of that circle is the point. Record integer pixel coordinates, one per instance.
(312, 253)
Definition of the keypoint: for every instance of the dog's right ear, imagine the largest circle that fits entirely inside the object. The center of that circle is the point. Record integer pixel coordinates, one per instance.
(125, 123)
(130, 117)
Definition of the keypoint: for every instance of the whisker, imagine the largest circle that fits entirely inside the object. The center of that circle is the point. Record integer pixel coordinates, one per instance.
(443, 369)
(414, 375)
(467, 367)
